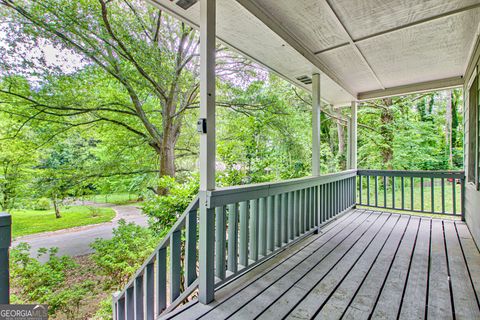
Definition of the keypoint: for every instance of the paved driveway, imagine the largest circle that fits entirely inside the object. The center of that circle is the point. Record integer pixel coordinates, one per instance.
(76, 241)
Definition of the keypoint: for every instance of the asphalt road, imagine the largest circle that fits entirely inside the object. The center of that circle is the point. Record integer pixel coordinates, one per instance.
(76, 241)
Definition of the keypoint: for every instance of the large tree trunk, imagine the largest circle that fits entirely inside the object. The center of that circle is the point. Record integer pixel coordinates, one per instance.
(387, 133)
(341, 140)
(448, 128)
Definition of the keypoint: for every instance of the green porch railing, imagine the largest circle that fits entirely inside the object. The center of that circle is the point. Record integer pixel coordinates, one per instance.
(434, 192)
(252, 223)
(5, 242)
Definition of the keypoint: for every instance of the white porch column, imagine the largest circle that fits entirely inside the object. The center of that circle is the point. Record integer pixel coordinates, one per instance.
(316, 124)
(352, 142)
(207, 149)
(349, 141)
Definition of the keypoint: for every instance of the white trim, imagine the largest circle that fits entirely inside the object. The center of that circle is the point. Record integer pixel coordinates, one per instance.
(439, 84)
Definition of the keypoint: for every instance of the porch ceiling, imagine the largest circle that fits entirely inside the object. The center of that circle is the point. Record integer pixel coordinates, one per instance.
(363, 48)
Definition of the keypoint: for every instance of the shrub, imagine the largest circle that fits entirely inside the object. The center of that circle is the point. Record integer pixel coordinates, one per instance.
(119, 257)
(105, 310)
(165, 210)
(41, 204)
(36, 281)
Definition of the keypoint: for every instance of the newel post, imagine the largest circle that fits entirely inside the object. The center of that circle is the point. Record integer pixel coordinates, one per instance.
(5, 242)
(206, 128)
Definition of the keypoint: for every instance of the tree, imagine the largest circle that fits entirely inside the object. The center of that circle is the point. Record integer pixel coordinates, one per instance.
(147, 58)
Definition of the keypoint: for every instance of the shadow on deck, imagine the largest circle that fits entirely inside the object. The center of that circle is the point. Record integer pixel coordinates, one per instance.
(363, 265)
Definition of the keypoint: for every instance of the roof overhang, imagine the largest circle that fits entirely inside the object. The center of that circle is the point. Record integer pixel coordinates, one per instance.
(364, 49)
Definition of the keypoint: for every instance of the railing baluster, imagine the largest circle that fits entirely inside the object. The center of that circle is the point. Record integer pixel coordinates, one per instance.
(376, 191)
(384, 191)
(175, 264)
(454, 196)
(402, 181)
(138, 297)
(360, 189)
(191, 248)
(120, 309)
(393, 192)
(130, 304)
(432, 190)
(301, 220)
(368, 190)
(161, 280)
(232, 263)
(412, 188)
(254, 229)
(243, 234)
(291, 231)
(462, 197)
(284, 218)
(278, 222)
(270, 224)
(220, 242)
(307, 209)
(296, 214)
(149, 297)
(443, 195)
(262, 223)
(422, 202)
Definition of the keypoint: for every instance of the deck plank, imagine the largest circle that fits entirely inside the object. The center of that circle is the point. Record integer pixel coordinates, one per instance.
(344, 294)
(465, 303)
(253, 299)
(288, 293)
(390, 297)
(472, 255)
(415, 296)
(365, 299)
(363, 265)
(273, 268)
(439, 302)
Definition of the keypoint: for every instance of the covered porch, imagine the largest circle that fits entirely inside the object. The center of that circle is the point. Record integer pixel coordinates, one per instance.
(303, 248)
(363, 264)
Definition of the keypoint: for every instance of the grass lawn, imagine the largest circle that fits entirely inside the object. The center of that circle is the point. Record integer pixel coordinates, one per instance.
(114, 198)
(35, 221)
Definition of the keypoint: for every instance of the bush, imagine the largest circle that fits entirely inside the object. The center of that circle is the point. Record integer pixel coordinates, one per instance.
(41, 204)
(105, 311)
(165, 210)
(119, 257)
(36, 282)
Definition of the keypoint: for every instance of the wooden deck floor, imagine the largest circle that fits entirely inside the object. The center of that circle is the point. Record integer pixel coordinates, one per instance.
(363, 265)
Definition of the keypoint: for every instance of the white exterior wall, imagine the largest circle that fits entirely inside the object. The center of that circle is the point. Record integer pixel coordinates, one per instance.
(472, 196)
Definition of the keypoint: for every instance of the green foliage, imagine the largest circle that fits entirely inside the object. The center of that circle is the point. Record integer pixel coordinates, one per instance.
(120, 256)
(105, 310)
(165, 210)
(68, 300)
(39, 282)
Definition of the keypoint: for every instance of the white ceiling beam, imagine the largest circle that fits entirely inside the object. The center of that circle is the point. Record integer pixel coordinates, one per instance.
(274, 25)
(352, 43)
(404, 26)
(412, 88)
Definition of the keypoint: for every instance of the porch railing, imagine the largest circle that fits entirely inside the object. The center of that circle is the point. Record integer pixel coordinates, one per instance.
(252, 223)
(432, 192)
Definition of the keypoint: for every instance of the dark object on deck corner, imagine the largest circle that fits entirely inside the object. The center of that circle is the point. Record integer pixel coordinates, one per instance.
(5, 242)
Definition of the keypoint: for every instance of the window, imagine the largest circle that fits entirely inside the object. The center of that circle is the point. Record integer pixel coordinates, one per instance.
(473, 149)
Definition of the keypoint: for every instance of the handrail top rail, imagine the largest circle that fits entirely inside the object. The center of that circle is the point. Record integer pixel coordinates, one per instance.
(266, 185)
(164, 243)
(233, 194)
(413, 173)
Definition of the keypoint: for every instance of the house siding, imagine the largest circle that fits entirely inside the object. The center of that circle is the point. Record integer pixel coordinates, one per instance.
(472, 195)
